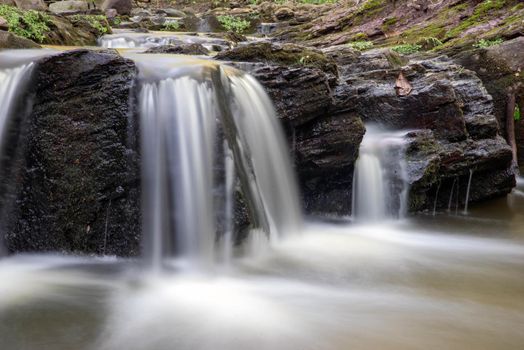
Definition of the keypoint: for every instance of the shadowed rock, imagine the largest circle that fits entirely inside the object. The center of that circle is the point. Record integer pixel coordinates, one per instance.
(73, 175)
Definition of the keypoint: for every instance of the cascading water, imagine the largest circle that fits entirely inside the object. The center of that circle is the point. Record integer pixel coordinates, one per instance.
(185, 121)
(380, 186)
(15, 73)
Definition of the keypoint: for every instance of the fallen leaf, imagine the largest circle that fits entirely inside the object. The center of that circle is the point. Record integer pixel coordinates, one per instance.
(402, 86)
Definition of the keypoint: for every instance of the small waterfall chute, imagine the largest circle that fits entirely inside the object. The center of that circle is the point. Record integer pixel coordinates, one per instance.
(380, 186)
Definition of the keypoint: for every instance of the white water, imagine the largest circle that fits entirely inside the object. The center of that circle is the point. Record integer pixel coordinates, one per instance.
(380, 186)
(129, 40)
(12, 81)
(15, 73)
(185, 119)
(466, 203)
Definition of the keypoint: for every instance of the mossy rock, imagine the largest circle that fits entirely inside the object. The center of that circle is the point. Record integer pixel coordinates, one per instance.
(285, 54)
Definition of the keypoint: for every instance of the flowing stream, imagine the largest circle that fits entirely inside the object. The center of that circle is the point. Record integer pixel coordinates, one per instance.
(209, 134)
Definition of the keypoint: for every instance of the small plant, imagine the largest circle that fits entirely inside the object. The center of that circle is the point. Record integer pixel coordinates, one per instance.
(361, 45)
(171, 26)
(28, 24)
(304, 60)
(483, 43)
(429, 43)
(234, 24)
(406, 49)
(516, 113)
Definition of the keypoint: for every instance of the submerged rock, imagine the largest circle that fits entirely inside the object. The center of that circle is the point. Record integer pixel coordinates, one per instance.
(74, 176)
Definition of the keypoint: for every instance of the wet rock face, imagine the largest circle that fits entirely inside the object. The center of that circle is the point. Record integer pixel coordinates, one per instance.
(323, 143)
(448, 106)
(501, 68)
(74, 175)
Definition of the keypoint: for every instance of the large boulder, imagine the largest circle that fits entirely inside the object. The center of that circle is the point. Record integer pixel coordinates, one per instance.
(37, 5)
(73, 172)
(123, 7)
(68, 6)
(12, 41)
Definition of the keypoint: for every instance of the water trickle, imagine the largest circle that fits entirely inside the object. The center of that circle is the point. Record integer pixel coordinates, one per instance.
(195, 124)
(467, 191)
(451, 194)
(380, 188)
(436, 199)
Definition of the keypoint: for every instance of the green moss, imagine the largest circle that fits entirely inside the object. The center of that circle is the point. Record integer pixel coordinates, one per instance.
(287, 54)
(361, 45)
(481, 14)
(483, 43)
(406, 49)
(388, 22)
(28, 24)
(98, 22)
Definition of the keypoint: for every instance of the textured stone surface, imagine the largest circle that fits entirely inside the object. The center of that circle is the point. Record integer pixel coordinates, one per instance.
(12, 41)
(74, 175)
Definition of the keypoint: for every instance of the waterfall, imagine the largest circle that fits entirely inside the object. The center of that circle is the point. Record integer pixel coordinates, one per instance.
(380, 188)
(203, 128)
(12, 86)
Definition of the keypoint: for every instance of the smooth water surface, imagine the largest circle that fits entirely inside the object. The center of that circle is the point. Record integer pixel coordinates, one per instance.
(410, 284)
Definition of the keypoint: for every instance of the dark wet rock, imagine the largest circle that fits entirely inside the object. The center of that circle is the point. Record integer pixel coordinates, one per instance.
(284, 13)
(433, 166)
(325, 152)
(74, 176)
(300, 94)
(280, 54)
(182, 49)
(12, 41)
(501, 69)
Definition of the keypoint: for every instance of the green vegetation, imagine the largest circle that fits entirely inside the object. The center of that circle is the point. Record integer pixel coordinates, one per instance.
(28, 24)
(483, 43)
(99, 22)
(406, 49)
(171, 26)
(388, 22)
(361, 45)
(429, 43)
(516, 113)
(234, 24)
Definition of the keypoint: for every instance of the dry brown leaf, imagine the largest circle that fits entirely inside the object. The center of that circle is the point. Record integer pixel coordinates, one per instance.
(402, 86)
